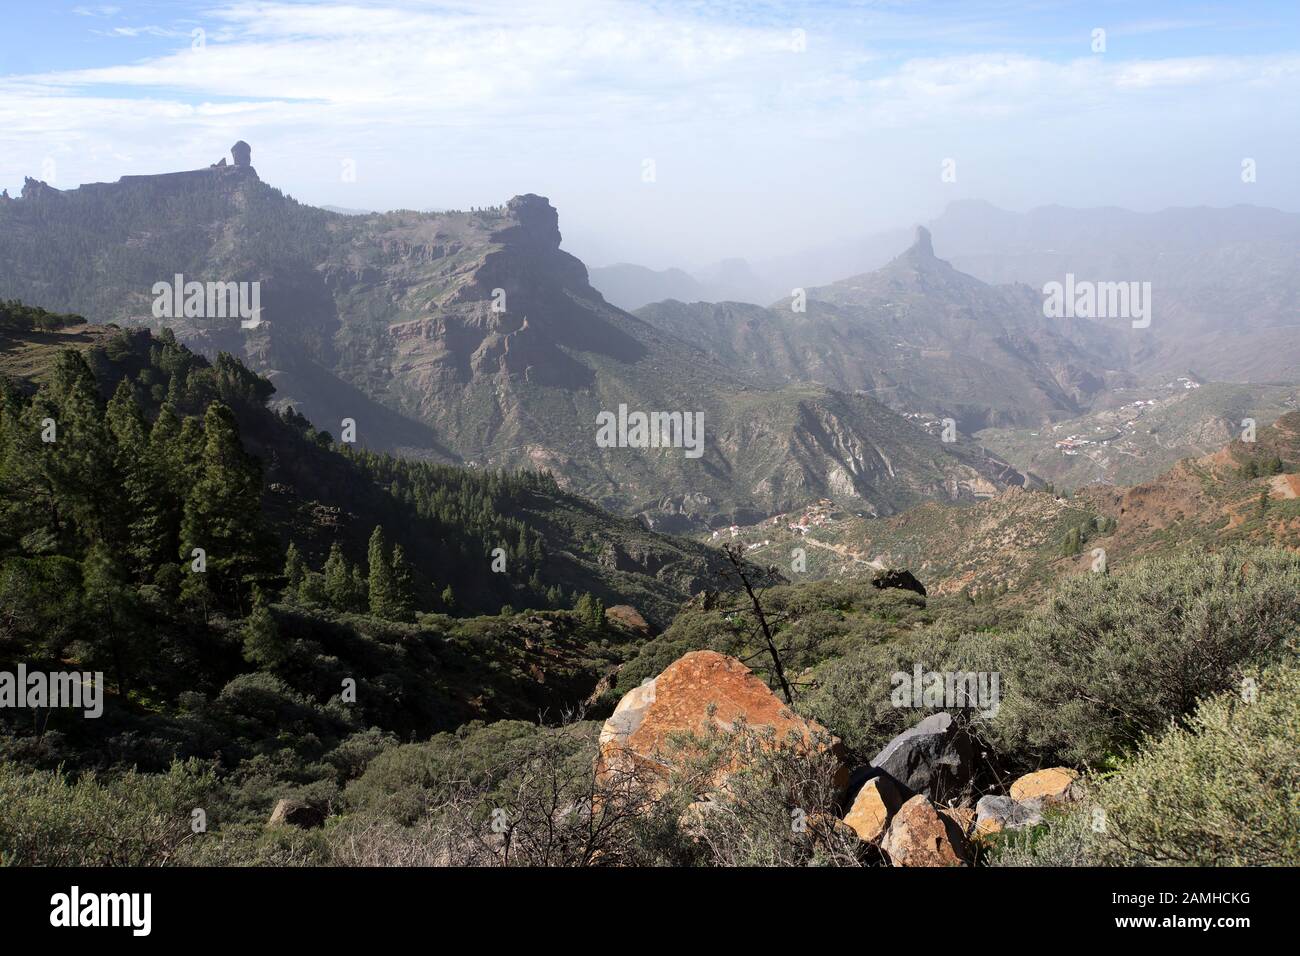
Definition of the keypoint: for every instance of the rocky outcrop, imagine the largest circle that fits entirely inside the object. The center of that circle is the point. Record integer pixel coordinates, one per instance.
(933, 758)
(1023, 806)
(603, 687)
(700, 688)
(628, 617)
(995, 813)
(920, 835)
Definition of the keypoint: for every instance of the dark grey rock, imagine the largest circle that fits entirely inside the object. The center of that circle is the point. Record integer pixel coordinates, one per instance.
(898, 578)
(934, 758)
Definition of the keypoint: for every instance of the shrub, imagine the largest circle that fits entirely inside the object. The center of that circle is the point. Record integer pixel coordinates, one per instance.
(403, 784)
(1222, 791)
(505, 794)
(852, 696)
(779, 805)
(131, 820)
(1114, 658)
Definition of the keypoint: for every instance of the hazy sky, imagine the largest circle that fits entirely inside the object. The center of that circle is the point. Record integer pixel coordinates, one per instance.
(771, 126)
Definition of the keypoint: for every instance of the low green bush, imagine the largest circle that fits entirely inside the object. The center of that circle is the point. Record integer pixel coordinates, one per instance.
(1222, 791)
(132, 819)
(1113, 658)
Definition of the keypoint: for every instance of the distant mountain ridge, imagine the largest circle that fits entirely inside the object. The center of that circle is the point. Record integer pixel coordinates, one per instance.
(919, 336)
(469, 336)
(1225, 281)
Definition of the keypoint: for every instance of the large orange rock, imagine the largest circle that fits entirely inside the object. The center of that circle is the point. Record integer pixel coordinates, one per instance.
(874, 806)
(1044, 788)
(920, 835)
(635, 740)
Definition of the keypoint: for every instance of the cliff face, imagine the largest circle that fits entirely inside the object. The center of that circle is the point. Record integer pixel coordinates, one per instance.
(468, 336)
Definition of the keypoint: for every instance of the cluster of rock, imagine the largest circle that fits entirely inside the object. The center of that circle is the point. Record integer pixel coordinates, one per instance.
(913, 801)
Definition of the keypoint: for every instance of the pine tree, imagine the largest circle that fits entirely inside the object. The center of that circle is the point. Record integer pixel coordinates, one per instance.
(80, 463)
(222, 511)
(383, 588)
(358, 595)
(338, 580)
(312, 590)
(113, 617)
(185, 456)
(403, 585)
(295, 572)
(591, 611)
(263, 644)
(149, 511)
(196, 590)
(449, 598)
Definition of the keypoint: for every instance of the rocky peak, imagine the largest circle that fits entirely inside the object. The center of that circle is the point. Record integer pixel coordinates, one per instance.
(922, 248)
(537, 220)
(918, 261)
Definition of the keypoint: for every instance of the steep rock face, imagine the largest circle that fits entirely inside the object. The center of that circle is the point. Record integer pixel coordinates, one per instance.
(472, 337)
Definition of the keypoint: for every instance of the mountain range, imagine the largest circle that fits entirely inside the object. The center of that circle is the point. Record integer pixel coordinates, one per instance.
(919, 336)
(1224, 281)
(471, 337)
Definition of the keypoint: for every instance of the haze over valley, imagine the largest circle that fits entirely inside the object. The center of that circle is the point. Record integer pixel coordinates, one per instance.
(607, 434)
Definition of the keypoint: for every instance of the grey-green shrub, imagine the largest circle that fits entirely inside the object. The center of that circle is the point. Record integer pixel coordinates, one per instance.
(853, 695)
(1222, 791)
(133, 819)
(1113, 658)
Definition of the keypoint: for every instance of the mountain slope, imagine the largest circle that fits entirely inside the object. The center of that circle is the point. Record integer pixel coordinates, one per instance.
(447, 519)
(1134, 435)
(465, 336)
(919, 336)
(1021, 541)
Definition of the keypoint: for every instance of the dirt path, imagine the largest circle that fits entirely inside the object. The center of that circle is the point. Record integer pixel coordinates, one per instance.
(843, 552)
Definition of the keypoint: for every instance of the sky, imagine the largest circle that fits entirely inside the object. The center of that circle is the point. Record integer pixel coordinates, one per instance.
(670, 133)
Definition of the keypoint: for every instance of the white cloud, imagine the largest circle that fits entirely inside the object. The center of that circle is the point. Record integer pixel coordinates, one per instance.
(467, 102)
